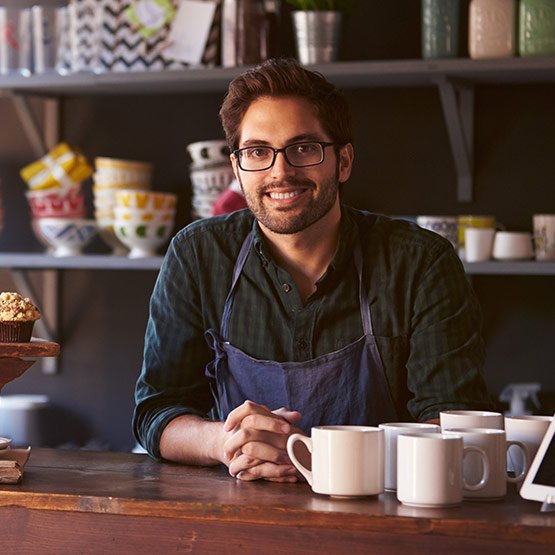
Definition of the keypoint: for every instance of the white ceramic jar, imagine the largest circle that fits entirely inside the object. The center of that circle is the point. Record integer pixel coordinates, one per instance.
(491, 29)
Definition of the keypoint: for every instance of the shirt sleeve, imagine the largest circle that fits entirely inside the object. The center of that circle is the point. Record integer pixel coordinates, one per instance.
(172, 380)
(447, 354)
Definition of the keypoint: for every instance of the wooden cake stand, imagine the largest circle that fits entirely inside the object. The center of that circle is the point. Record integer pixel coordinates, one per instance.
(12, 365)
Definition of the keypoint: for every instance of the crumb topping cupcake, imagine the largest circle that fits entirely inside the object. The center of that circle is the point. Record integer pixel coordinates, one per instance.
(17, 318)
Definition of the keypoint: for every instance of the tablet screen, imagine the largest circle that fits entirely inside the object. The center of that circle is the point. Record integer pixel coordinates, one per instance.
(539, 484)
(546, 471)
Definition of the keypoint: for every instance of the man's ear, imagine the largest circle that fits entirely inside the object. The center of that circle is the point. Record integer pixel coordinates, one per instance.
(346, 157)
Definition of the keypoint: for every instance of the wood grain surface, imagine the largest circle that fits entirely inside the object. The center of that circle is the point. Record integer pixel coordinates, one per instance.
(122, 502)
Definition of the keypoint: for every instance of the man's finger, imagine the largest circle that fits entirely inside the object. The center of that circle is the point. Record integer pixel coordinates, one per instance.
(236, 416)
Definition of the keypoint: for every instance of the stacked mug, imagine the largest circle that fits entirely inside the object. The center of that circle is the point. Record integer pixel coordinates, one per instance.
(211, 174)
(111, 176)
(143, 220)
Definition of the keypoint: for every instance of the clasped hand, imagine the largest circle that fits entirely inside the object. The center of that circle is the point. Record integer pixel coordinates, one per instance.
(255, 443)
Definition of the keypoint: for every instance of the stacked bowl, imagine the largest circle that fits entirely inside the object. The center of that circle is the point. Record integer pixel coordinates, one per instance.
(211, 173)
(113, 175)
(144, 220)
(57, 201)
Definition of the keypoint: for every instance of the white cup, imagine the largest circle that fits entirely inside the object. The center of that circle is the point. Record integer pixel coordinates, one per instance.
(478, 244)
(391, 431)
(513, 245)
(347, 461)
(470, 419)
(544, 236)
(494, 443)
(430, 469)
(529, 429)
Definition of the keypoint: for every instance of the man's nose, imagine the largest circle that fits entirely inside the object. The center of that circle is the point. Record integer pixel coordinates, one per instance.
(281, 166)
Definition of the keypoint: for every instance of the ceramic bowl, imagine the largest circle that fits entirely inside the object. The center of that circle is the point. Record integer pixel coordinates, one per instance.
(143, 239)
(67, 236)
(208, 153)
(146, 200)
(138, 215)
(513, 245)
(57, 203)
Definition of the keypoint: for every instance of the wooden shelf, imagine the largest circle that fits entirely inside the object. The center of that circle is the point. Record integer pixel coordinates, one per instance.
(38, 261)
(519, 268)
(381, 73)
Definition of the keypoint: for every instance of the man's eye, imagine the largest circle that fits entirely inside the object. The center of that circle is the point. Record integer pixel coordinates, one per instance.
(305, 148)
(256, 153)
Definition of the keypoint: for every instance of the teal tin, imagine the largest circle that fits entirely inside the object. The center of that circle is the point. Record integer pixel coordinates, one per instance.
(536, 34)
(440, 28)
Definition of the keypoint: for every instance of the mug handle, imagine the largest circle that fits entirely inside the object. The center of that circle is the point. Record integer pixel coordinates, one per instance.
(526, 466)
(485, 474)
(293, 438)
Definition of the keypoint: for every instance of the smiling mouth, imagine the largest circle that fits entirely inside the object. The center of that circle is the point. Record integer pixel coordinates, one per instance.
(284, 196)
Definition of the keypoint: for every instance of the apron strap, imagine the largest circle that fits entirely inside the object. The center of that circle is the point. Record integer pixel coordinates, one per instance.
(239, 264)
(365, 314)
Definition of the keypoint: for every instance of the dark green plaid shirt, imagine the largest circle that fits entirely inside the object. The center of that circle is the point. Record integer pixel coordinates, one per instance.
(424, 312)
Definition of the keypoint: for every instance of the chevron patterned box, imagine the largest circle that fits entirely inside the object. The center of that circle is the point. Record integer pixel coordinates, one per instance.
(105, 38)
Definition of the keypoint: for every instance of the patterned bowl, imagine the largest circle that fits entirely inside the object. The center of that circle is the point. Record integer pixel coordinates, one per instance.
(57, 203)
(145, 200)
(144, 239)
(67, 236)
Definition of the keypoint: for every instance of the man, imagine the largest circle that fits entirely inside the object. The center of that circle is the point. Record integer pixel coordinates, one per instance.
(301, 311)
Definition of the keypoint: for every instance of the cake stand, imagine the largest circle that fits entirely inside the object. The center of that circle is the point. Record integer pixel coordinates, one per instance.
(12, 365)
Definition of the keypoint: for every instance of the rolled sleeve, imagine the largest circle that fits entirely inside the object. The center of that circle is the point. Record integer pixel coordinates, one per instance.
(172, 380)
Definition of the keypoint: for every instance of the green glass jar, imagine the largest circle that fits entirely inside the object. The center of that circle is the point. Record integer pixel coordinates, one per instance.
(536, 36)
(440, 28)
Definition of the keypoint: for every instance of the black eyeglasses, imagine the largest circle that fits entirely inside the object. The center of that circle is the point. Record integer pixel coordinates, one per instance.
(298, 155)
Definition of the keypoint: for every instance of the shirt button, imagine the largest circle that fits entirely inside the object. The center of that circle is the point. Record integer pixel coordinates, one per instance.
(286, 287)
(301, 344)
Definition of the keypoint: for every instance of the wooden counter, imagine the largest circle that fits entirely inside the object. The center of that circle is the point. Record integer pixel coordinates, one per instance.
(93, 502)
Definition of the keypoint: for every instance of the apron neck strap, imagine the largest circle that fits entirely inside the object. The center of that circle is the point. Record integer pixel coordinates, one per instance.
(239, 264)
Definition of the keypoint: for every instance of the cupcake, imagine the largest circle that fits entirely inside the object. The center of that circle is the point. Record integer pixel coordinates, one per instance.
(17, 318)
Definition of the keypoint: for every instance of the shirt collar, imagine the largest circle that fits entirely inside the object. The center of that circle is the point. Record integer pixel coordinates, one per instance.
(348, 235)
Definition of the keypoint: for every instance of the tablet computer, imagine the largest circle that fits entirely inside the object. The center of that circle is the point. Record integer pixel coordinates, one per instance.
(539, 484)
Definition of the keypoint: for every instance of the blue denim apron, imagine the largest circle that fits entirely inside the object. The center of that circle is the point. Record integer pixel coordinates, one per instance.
(347, 386)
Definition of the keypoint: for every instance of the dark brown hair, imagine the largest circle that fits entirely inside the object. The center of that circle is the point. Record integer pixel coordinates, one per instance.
(285, 77)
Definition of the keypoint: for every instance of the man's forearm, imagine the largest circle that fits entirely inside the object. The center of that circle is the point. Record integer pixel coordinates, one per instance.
(188, 439)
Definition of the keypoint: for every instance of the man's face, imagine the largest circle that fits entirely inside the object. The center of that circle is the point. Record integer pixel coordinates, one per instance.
(283, 198)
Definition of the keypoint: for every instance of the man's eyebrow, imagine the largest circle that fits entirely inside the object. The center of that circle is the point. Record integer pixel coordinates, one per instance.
(296, 139)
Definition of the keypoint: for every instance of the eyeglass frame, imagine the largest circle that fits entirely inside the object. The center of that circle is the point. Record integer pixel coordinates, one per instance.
(276, 151)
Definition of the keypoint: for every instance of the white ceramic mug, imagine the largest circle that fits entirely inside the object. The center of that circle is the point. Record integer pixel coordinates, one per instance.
(478, 244)
(391, 431)
(347, 461)
(528, 429)
(470, 419)
(544, 236)
(495, 445)
(430, 469)
(513, 245)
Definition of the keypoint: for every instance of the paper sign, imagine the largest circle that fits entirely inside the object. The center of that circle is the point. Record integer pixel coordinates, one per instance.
(189, 31)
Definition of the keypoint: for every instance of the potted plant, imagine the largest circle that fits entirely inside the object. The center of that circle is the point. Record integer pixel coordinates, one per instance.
(317, 26)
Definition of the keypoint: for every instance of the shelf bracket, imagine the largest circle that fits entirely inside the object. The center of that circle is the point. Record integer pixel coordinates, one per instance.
(457, 101)
(41, 138)
(48, 325)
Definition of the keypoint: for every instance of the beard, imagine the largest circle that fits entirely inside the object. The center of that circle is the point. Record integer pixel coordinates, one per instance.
(287, 221)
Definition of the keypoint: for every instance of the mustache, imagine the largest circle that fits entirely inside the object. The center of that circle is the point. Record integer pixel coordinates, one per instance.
(289, 182)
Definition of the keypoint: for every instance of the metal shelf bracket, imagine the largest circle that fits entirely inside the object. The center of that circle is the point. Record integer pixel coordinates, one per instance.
(457, 101)
(42, 138)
